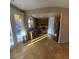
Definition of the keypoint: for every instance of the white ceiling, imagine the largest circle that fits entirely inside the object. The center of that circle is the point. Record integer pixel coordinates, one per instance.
(34, 4)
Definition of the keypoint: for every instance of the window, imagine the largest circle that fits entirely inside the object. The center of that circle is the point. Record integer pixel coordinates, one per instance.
(20, 30)
(30, 22)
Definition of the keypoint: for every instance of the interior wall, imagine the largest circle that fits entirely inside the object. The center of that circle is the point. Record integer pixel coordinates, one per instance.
(64, 21)
(64, 34)
(45, 10)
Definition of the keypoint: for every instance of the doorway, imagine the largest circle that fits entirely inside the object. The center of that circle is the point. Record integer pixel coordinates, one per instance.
(39, 26)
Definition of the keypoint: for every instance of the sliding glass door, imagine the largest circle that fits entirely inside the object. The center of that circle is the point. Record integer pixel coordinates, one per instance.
(20, 30)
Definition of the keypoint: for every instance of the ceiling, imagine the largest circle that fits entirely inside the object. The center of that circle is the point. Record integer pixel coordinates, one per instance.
(34, 4)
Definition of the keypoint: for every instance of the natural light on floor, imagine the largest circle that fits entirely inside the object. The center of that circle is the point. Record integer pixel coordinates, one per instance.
(37, 39)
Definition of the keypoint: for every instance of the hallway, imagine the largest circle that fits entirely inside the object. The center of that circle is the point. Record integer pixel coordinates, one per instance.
(45, 48)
